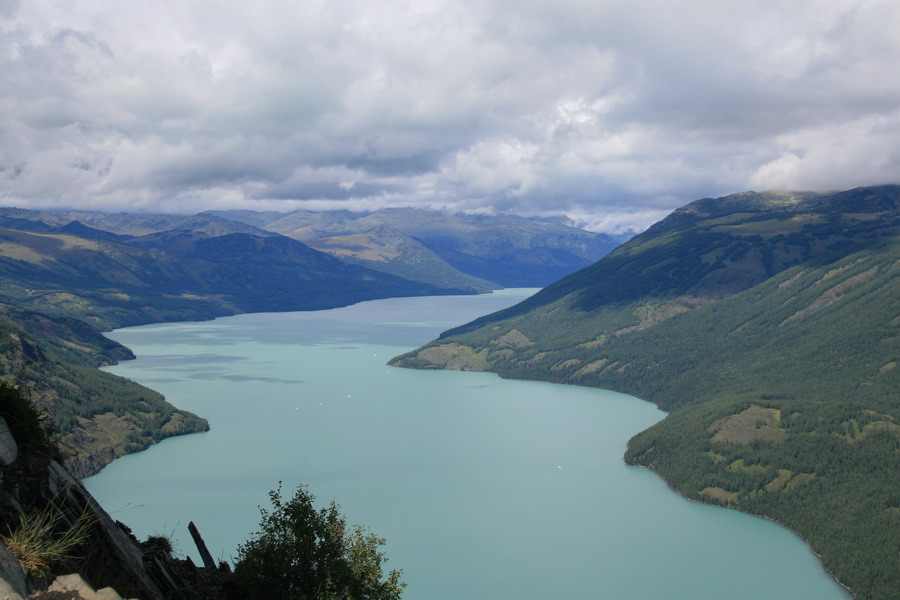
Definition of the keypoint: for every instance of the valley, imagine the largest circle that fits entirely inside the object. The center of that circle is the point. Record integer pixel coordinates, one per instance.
(66, 276)
(767, 324)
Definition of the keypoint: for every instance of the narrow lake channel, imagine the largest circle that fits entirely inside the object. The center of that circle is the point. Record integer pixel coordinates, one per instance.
(484, 488)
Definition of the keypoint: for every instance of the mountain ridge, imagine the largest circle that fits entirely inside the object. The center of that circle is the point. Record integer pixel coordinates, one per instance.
(504, 250)
(113, 284)
(470, 253)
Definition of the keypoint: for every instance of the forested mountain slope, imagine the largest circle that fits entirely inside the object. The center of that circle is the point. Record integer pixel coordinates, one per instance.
(181, 275)
(769, 325)
(97, 416)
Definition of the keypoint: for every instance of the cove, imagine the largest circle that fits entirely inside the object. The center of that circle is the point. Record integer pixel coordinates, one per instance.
(484, 488)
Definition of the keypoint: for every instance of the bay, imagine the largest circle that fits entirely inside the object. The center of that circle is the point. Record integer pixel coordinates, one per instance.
(483, 487)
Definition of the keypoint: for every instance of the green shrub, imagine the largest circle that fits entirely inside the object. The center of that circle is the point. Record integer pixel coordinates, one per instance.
(304, 553)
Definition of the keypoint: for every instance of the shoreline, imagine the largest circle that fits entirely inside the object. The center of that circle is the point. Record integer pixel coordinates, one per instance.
(752, 514)
(806, 541)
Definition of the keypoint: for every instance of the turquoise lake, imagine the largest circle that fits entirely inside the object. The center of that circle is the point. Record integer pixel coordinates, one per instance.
(484, 488)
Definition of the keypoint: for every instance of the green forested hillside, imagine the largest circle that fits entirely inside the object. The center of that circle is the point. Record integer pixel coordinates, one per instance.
(769, 326)
(97, 416)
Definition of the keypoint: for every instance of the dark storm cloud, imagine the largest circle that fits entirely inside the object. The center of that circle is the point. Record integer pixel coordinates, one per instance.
(613, 112)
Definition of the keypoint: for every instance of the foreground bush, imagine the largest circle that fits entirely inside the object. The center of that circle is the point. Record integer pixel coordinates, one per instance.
(304, 553)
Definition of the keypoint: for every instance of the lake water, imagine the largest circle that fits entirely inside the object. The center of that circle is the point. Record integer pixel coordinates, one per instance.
(484, 488)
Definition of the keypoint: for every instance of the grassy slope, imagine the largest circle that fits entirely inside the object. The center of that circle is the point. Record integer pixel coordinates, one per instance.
(771, 331)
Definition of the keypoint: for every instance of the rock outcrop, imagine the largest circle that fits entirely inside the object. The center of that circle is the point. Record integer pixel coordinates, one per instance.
(107, 563)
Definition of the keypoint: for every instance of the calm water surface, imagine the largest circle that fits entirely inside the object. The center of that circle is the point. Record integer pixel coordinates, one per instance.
(484, 488)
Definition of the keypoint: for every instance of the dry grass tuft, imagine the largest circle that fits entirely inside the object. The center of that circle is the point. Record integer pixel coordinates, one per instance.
(37, 543)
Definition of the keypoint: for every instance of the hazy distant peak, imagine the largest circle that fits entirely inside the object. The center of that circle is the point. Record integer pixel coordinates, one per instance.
(215, 225)
(81, 230)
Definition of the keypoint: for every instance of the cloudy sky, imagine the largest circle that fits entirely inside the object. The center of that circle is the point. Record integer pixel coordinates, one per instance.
(613, 112)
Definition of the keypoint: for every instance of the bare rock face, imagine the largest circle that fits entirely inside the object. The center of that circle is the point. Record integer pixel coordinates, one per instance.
(116, 558)
(38, 492)
(12, 578)
(110, 558)
(76, 587)
(8, 448)
(7, 592)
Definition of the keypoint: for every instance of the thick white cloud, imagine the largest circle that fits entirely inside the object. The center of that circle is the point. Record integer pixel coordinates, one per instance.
(611, 111)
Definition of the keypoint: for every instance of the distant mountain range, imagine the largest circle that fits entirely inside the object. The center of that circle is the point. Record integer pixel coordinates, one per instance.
(447, 253)
(768, 324)
(494, 251)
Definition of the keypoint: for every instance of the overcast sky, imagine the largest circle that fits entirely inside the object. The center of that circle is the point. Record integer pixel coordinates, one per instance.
(613, 112)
